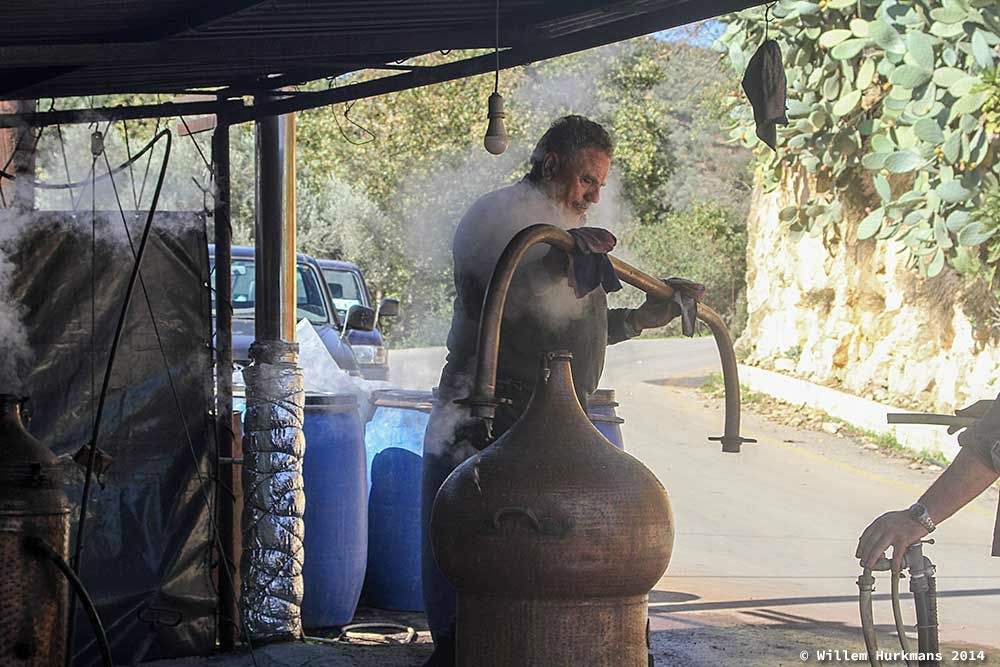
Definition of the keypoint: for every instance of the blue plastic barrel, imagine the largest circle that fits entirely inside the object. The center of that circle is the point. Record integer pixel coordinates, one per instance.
(394, 443)
(336, 524)
(601, 410)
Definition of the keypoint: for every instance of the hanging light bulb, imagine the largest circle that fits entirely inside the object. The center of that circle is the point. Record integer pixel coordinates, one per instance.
(496, 134)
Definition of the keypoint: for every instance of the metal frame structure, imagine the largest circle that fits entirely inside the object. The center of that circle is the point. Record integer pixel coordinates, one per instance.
(238, 48)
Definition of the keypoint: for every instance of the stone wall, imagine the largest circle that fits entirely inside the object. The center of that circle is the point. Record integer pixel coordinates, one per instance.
(851, 314)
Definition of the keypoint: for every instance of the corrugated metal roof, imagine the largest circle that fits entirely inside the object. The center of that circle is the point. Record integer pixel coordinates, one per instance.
(57, 48)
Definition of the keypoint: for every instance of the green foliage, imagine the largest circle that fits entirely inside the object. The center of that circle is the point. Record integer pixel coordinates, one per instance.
(900, 94)
(392, 203)
(390, 199)
(707, 241)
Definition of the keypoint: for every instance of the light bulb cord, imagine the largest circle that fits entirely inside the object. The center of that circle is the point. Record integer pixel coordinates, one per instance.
(496, 81)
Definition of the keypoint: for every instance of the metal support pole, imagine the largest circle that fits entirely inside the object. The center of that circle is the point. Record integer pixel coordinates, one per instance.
(275, 230)
(228, 607)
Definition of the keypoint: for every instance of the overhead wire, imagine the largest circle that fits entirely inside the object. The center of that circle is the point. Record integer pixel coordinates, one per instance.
(62, 148)
(347, 110)
(496, 81)
(156, 128)
(128, 153)
(196, 145)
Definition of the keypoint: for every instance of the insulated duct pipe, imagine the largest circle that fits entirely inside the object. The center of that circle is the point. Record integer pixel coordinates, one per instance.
(273, 448)
(483, 399)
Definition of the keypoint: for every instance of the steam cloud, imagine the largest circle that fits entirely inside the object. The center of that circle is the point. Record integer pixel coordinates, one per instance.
(65, 157)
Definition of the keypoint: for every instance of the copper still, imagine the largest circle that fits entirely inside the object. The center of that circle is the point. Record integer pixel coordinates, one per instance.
(33, 593)
(553, 538)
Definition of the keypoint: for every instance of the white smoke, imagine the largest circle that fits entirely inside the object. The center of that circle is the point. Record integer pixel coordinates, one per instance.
(321, 374)
(88, 212)
(16, 353)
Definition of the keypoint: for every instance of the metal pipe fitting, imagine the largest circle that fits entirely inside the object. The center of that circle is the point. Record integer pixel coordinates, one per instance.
(483, 400)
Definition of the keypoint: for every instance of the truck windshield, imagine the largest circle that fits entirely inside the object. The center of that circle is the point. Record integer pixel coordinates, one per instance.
(308, 295)
(345, 288)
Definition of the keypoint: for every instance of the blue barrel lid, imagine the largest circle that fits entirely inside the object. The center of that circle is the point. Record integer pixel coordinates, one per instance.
(602, 397)
(605, 419)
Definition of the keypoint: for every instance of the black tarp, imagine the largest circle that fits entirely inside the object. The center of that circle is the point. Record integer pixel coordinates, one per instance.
(148, 552)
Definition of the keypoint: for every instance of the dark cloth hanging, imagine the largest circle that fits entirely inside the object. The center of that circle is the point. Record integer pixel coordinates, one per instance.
(687, 295)
(765, 86)
(589, 263)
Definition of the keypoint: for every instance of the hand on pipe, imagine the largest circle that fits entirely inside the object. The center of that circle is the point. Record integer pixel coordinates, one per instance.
(977, 410)
(657, 312)
(895, 529)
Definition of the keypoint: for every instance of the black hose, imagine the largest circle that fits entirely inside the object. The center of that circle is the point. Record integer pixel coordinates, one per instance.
(932, 612)
(92, 454)
(70, 185)
(39, 547)
(927, 624)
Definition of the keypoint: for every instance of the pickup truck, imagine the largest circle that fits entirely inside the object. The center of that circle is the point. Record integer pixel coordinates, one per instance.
(347, 288)
(313, 302)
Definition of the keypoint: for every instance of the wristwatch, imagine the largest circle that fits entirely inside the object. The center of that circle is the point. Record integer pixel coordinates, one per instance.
(920, 514)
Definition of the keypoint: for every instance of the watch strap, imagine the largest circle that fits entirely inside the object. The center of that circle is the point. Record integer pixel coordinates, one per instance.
(920, 514)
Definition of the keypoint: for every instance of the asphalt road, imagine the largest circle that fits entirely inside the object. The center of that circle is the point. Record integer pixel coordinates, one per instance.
(763, 566)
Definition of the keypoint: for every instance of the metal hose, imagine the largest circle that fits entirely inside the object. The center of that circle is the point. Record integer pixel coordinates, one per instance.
(483, 399)
(40, 548)
(866, 584)
(932, 614)
(897, 615)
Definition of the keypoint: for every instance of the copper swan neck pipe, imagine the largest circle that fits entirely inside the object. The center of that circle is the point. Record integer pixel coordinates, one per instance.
(483, 399)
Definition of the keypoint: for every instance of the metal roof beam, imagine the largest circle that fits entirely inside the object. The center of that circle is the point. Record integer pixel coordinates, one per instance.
(641, 23)
(166, 109)
(199, 14)
(323, 45)
(685, 11)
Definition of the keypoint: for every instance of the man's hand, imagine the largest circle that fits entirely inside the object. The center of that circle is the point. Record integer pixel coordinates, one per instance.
(654, 313)
(895, 529)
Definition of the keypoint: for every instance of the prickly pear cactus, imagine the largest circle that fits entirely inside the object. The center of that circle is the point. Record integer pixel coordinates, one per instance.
(906, 94)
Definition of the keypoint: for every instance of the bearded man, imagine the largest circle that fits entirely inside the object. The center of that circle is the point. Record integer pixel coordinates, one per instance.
(544, 311)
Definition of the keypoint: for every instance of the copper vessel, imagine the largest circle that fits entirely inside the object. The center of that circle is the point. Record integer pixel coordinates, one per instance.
(33, 593)
(553, 539)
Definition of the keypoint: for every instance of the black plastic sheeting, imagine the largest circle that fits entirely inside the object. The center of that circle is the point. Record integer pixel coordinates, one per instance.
(148, 552)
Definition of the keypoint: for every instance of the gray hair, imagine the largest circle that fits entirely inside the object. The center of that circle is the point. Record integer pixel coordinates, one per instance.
(566, 137)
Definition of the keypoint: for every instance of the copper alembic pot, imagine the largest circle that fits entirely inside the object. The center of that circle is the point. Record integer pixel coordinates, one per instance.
(553, 538)
(33, 507)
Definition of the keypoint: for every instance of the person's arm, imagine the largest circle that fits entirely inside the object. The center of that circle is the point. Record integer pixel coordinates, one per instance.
(966, 477)
(620, 325)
